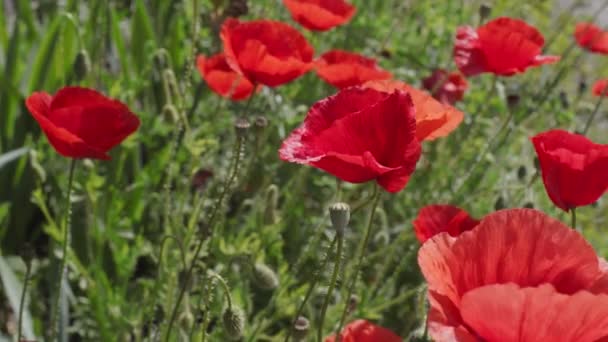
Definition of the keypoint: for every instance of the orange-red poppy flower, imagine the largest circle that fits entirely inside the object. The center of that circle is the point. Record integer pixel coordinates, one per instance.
(81, 122)
(591, 37)
(433, 118)
(519, 275)
(320, 15)
(266, 52)
(345, 69)
(447, 87)
(503, 46)
(599, 87)
(364, 331)
(222, 79)
(439, 218)
(573, 168)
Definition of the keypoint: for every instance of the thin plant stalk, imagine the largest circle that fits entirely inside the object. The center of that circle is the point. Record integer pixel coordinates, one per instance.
(332, 285)
(361, 256)
(594, 113)
(573, 217)
(65, 242)
(28, 269)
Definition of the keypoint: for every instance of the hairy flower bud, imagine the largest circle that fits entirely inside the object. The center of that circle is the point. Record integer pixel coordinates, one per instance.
(264, 277)
(234, 323)
(339, 213)
(82, 65)
(272, 201)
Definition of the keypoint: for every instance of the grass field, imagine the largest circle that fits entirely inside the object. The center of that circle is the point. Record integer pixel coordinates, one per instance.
(138, 218)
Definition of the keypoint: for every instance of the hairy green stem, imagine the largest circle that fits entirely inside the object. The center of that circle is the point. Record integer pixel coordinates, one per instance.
(26, 280)
(65, 242)
(332, 284)
(361, 256)
(573, 217)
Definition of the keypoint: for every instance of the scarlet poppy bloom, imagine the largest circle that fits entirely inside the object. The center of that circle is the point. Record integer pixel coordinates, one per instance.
(573, 168)
(222, 79)
(266, 52)
(82, 123)
(591, 37)
(359, 135)
(435, 219)
(599, 87)
(503, 46)
(446, 87)
(345, 69)
(364, 331)
(320, 15)
(520, 275)
(433, 118)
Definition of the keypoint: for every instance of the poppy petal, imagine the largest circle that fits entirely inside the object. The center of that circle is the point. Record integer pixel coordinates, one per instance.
(222, 79)
(510, 313)
(435, 219)
(319, 15)
(363, 331)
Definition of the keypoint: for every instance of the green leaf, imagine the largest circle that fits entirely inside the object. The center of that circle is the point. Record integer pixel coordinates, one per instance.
(13, 289)
(11, 156)
(142, 32)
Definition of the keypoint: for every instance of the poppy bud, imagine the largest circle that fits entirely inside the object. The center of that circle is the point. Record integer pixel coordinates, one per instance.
(512, 101)
(522, 172)
(170, 113)
(300, 329)
(242, 125)
(186, 320)
(484, 12)
(339, 213)
(234, 323)
(264, 277)
(82, 65)
(272, 200)
(500, 203)
(170, 85)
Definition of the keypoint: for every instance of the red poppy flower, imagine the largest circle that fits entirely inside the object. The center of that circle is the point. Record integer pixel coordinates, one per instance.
(574, 168)
(433, 118)
(591, 37)
(364, 331)
(503, 46)
(447, 87)
(222, 79)
(435, 219)
(491, 281)
(320, 15)
(344, 69)
(599, 87)
(359, 135)
(82, 123)
(266, 52)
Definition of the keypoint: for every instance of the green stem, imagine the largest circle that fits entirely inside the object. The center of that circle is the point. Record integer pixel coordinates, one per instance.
(225, 287)
(573, 216)
(28, 269)
(311, 288)
(332, 285)
(201, 242)
(594, 113)
(362, 250)
(66, 237)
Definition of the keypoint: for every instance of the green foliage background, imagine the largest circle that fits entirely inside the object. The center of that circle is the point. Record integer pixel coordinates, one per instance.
(124, 209)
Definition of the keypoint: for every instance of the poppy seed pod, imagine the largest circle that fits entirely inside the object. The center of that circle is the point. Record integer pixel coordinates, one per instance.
(234, 323)
(260, 123)
(300, 329)
(264, 277)
(272, 201)
(339, 213)
(82, 65)
(242, 125)
(484, 11)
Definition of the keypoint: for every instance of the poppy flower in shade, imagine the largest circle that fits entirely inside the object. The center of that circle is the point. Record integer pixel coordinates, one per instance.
(320, 15)
(591, 37)
(433, 118)
(447, 87)
(557, 270)
(222, 79)
(266, 52)
(573, 168)
(344, 69)
(359, 135)
(364, 331)
(599, 87)
(82, 123)
(503, 46)
(435, 219)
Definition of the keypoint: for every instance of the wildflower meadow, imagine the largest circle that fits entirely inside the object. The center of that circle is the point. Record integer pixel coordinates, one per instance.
(303, 170)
